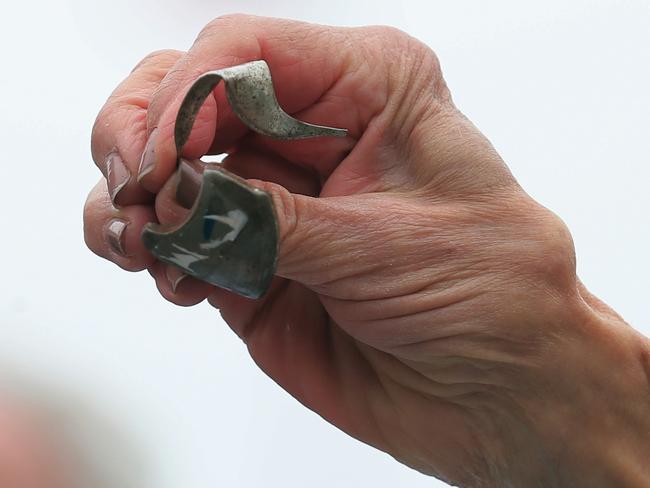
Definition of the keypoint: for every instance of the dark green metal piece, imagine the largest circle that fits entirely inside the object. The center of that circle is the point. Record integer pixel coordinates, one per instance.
(230, 238)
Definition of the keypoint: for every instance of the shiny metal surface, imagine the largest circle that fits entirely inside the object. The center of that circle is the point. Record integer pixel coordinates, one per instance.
(230, 238)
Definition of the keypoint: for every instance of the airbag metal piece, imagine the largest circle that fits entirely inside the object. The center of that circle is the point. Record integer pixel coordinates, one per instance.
(230, 238)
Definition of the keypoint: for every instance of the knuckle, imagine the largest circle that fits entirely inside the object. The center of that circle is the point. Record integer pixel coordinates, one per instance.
(88, 238)
(93, 216)
(169, 84)
(550, 251)
(132, 267)
(97, 135)
(117, 115)
(127, 106)
(235, 17)
(120, 122)
(90, 225)
(419, 65)
(391, 41)
(412, 73)
(558, 250)
(222, 21)
(162, 56)
(388, 34)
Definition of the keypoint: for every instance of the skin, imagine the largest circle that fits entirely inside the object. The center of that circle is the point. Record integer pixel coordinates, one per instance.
(28, 456)
(424, 303)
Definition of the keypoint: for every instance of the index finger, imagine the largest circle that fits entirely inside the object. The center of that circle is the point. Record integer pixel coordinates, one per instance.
(319, 76)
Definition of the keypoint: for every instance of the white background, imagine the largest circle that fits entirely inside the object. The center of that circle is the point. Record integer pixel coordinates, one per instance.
(167, 396)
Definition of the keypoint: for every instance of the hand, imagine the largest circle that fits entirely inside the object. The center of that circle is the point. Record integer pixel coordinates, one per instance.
(424, 303)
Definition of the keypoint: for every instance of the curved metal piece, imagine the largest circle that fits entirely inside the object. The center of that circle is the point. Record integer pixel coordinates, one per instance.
(249, 89)
(230, 238)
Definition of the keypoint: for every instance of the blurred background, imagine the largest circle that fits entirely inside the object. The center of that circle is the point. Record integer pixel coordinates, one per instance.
(157, 396)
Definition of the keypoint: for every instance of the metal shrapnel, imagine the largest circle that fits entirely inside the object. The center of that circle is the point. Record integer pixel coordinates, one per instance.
(230, 238)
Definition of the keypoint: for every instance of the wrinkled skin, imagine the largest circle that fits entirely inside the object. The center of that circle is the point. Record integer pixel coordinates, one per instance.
(424, 303)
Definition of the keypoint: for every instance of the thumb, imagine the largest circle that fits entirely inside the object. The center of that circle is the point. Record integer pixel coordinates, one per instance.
(311, 234)
(330, 243)
(354, 247)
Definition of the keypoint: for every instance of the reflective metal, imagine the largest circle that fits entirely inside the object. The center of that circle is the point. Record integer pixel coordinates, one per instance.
(230, 238)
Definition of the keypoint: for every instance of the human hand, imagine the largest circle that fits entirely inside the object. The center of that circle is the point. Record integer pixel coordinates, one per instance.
(424, 303)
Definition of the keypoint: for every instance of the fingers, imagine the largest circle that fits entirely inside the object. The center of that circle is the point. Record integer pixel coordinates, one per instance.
(324, 75)
(160, 149)
(318, 156)
(239, 312)
(168, 209)
(328, 75)
(248, 163)
(114, 233)
(172, 283)
(321, 239)
(120, 131)
(177, 287)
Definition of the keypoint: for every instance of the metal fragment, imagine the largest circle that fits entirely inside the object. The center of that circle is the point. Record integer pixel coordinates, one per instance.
(230, 238)
(249, 89)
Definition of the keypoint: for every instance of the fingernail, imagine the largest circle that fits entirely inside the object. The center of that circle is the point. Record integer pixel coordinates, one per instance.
(115, 235)
(189, 182)
(148, 161)
(117, 174)
(174, 276)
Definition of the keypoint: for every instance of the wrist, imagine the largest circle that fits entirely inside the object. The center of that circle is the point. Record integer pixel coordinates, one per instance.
(595, 417)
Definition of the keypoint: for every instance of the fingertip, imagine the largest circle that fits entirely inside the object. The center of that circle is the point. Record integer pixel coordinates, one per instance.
(177, 287)
(120, 130)
(220, 298)
(159, 158)
(113, 233)
(132, 193)
(122, 242)
(135, 256)
(168, 209)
